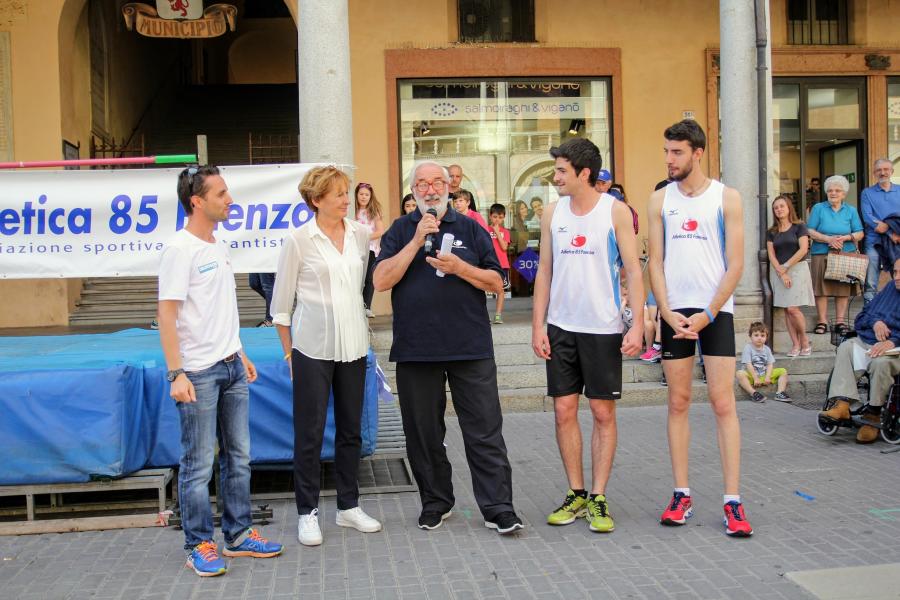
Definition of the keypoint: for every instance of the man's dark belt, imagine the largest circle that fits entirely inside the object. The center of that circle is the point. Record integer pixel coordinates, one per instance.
(230, 357)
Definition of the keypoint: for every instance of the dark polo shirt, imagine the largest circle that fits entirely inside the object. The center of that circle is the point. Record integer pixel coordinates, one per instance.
(440, 318)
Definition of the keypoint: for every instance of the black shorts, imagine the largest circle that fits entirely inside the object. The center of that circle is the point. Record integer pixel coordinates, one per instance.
(716, 339)
(588, 363)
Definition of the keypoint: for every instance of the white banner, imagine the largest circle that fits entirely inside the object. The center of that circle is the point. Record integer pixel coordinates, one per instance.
(115, 223)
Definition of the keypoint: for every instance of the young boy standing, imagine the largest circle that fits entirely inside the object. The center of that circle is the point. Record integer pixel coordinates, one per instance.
(500, 237)
(759, 366)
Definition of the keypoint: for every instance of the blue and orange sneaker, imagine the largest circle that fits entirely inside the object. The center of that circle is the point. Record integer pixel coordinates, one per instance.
(736, 524)
(254, 545)
(204, 560)
(678, 511)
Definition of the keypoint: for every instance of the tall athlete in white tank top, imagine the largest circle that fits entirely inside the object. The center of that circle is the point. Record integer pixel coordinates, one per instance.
(585, 238)
(694, 229)
(696, 260)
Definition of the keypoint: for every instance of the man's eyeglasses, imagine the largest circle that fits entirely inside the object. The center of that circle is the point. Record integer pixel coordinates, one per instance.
(437, 185)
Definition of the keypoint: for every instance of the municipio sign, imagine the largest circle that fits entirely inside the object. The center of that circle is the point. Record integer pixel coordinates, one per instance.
(212, 22)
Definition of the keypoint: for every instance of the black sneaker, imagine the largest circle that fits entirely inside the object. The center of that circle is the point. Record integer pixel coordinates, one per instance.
(663, 381)
(432, 519)
(757, 397)
(782, 397)
(703, 373)
(505, 523)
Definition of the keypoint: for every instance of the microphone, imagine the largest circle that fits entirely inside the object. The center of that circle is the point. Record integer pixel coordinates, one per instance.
(429, 238)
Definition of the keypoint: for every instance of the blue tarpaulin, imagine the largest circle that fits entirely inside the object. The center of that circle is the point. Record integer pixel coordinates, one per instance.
(78, 406)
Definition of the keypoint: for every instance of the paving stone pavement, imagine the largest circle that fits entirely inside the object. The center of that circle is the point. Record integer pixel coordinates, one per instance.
(782, 454)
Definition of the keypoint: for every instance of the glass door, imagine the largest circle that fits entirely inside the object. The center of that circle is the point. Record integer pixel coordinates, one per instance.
(820, 130)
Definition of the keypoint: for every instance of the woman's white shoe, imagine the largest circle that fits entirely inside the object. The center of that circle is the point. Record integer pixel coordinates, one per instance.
(357, 519)
(308, 531)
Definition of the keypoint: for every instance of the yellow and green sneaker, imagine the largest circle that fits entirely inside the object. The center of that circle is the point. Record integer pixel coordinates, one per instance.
(598, 514)
(573, 506)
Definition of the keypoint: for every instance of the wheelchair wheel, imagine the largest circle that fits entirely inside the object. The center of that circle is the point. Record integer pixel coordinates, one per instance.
(890, 428)
(825, 426)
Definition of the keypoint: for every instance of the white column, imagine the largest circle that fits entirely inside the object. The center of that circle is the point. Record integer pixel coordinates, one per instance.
(326, 125)
(737, 70)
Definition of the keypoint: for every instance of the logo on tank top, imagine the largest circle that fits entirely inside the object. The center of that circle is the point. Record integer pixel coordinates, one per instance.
(689, 226)
(577, 242)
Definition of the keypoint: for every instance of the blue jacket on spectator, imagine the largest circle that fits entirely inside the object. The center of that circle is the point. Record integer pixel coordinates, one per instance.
(885, 306)
(888, 250)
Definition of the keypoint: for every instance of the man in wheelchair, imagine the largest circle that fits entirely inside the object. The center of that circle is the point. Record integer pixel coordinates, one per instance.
(877, 334)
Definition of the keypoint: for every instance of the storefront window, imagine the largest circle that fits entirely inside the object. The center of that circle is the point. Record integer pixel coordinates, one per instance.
(500, 133)
(786, 128)
(893, 130)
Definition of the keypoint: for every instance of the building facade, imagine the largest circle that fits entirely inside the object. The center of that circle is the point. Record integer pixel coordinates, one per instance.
(489, 85)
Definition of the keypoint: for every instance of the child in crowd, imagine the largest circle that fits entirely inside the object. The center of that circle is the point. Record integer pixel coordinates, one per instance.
(759, 363)
(501, 238)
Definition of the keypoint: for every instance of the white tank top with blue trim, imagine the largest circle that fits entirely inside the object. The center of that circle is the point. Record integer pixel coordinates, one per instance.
(694, 238)
(584, 290)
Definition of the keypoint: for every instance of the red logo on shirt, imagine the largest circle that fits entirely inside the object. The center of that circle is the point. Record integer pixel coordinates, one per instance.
(578, 241)
(689, 224)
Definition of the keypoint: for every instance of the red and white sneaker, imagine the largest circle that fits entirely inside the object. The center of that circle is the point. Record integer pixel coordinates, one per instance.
(679, 510)
(736, 524)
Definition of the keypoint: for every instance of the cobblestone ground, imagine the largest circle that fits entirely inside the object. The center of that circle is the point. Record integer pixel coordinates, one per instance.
(853, 518)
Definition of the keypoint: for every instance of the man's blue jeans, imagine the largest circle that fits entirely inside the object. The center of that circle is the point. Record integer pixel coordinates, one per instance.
(220, 412)
(872, 274)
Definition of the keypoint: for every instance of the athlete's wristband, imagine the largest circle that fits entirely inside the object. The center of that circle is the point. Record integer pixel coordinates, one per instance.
(709, 315)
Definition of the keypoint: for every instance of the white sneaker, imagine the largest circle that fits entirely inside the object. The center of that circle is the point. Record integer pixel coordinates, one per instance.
(357, 519)
(308, 531)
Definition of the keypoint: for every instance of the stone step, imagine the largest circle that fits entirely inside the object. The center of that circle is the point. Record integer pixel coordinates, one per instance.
(133, 301)
(519, 334)
(811, 389)
(534, 376)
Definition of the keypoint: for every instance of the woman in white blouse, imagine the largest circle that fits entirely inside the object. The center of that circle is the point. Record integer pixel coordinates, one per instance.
(322, 266)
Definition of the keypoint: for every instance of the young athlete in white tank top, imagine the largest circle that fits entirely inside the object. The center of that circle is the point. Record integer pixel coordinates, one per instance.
(586, 238)
(586, 265)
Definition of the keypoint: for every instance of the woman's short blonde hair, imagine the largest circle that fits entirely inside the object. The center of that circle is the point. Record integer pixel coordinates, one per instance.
(318, 181)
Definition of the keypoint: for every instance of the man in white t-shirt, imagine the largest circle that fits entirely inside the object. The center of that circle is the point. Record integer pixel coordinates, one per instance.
(586, 238)
(198, 329)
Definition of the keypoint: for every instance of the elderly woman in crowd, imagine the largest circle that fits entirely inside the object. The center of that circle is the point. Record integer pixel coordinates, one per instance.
(788, 244)
(322, 266)
(833, 225)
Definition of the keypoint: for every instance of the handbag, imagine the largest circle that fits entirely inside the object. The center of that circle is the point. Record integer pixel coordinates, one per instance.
(846, 267)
